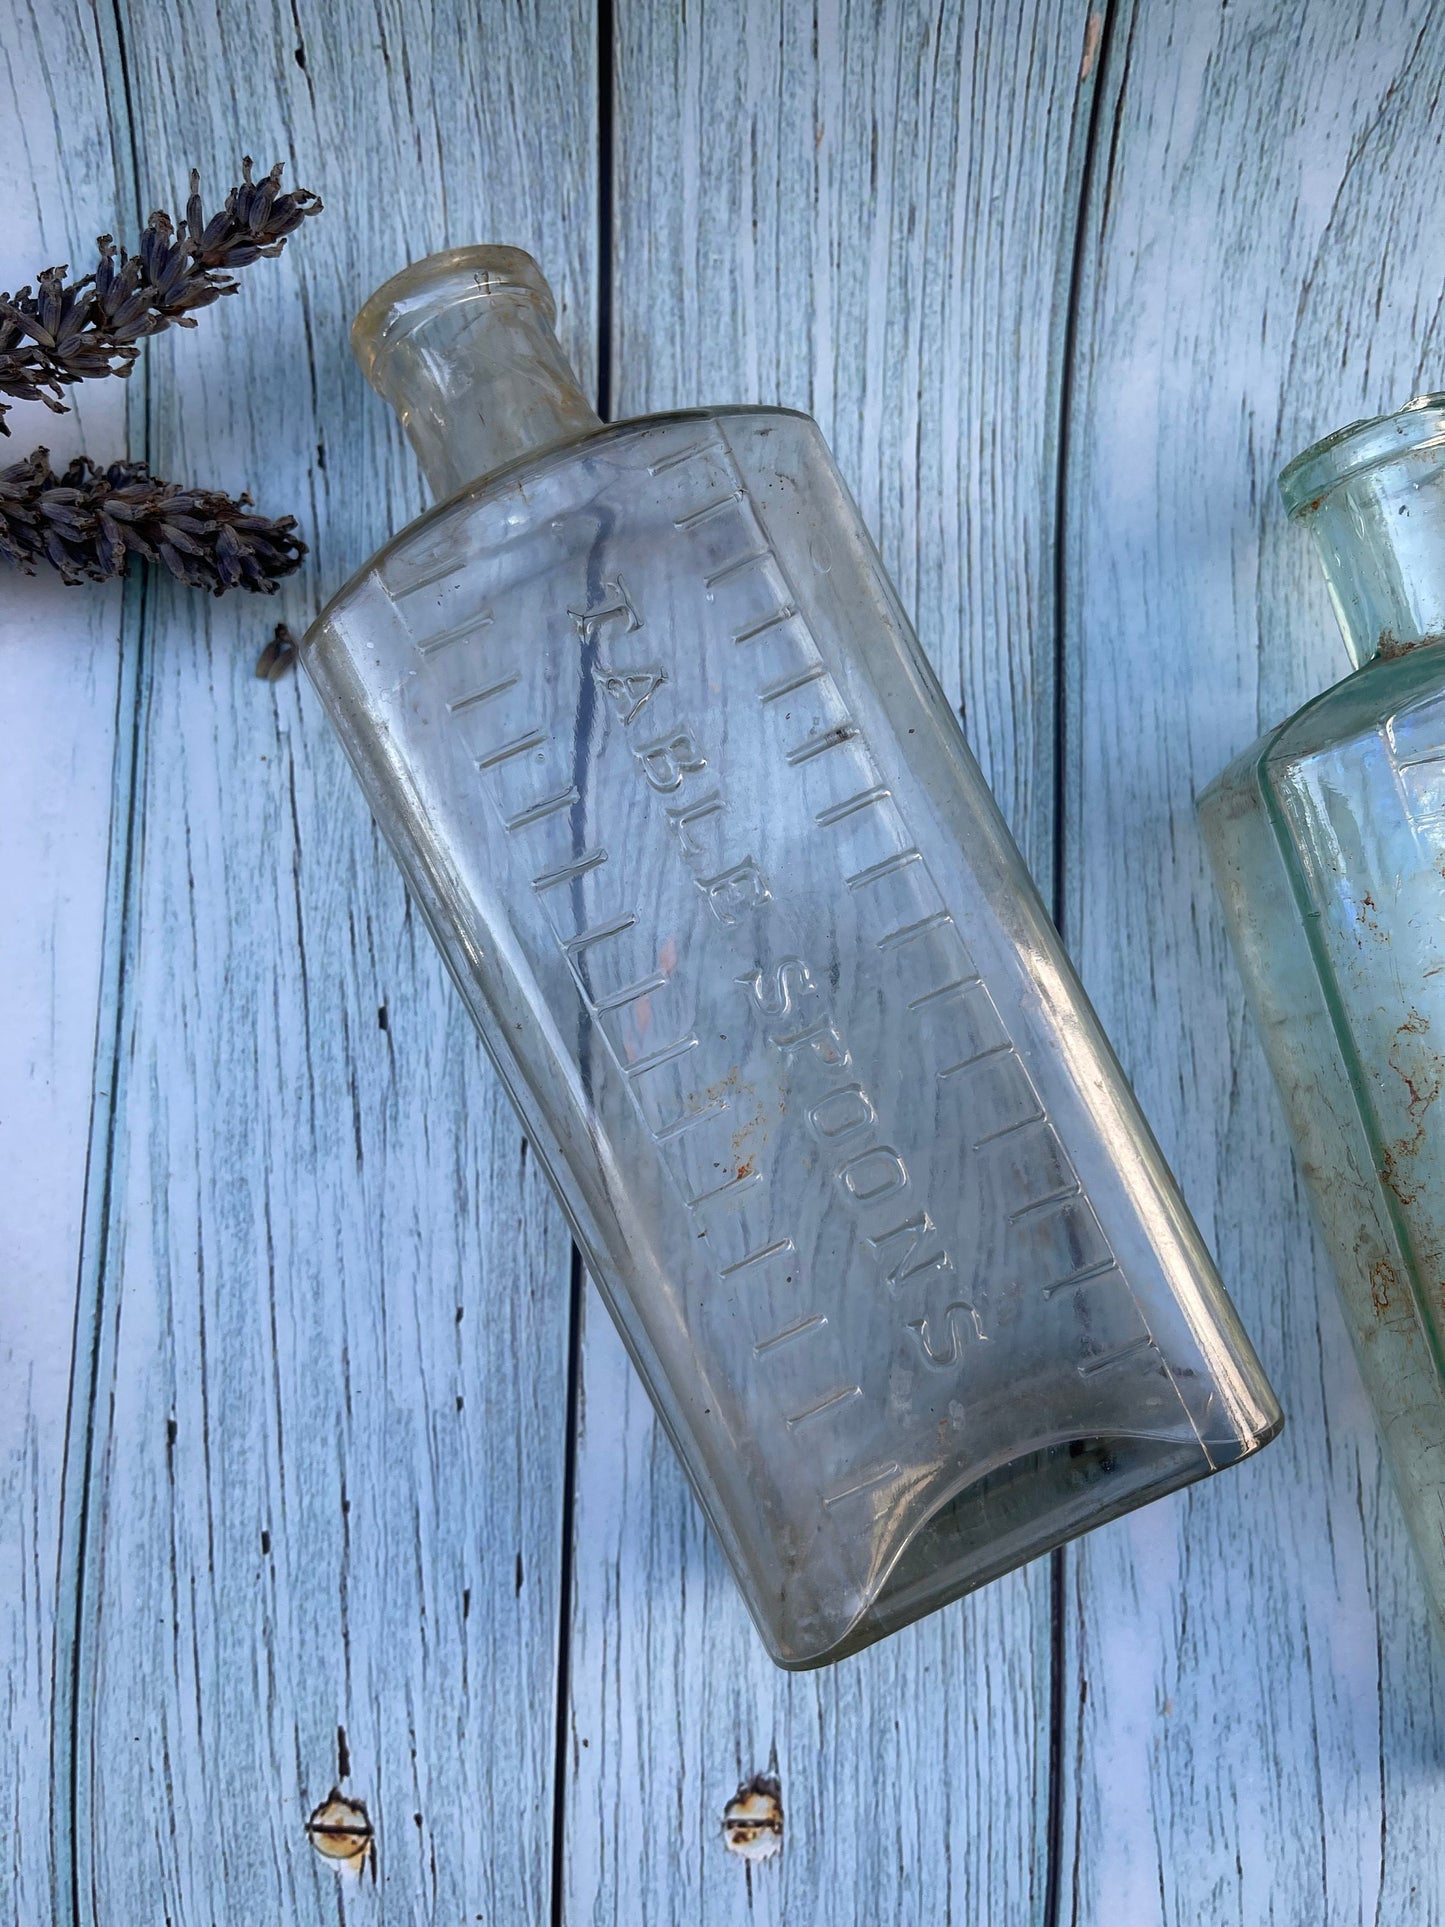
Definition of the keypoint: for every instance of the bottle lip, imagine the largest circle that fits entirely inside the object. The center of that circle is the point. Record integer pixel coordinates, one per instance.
(409, 299)
(1361, 445)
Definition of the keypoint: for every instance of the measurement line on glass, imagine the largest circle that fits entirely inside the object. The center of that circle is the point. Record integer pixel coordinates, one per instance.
(781, 615)
(484, 695)
(569, 872)
(1087, 1367)
(833, 737)
(789, 1332)
(955, 989)
(778, 1249)
(519, 746)
(837, 812)
(910, 932)
(739, 566)
(459, 632)
(789, 685)
(881, 1477)
(539, 811)
(669, 1054)
(828, 1404)
(1072, 1190)
(1089, 1276)
(599, 933)
(710, 446)
(699, 516)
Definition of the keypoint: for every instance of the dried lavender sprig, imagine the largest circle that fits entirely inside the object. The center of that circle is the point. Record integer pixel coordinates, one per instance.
(90, 521)
(75, 331)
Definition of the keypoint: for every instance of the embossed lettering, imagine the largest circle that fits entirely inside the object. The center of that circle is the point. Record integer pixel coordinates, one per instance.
(952, 1322)
(629, 690)
(738, 890)
(588, 622)
(667, 759)
(841, 1112)
(876, 1173)
(682, 817)
(791, 981)
(917, 1230)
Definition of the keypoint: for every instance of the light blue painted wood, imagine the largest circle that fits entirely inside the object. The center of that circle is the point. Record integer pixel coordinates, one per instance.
(1256, 1707)
(869, 218)
(870, 214)
(60, 683)
(325, 1471)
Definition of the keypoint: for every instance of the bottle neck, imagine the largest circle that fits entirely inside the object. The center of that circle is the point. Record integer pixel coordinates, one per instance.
(1373, 496)
(461, 345)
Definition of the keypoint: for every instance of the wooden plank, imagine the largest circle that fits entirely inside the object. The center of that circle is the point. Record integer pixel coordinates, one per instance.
(326, 1491)
(1255, 1702)
(60, 683)
(865, 213)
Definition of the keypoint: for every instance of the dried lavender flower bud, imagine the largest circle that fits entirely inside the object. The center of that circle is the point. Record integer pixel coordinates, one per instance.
(89, 522)
(278, 658)
(69, 331)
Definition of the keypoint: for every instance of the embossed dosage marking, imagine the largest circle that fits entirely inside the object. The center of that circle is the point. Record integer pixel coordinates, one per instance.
(1088, 1276)
(463, 631)
(955, 989)
(833, 737)
(709, 447)
(539, 811)
(910, 932)
(519, 746)
(756, 629)
(426, 577)
(1087, 1367)
(599, 933)
(881, 1475)
(709, 509)
(669, 1054)
(825, 819)
(888, 867)
(799, 1330)
(779, 1248)
(739, 566)
(790, 685)
(728, 1192)
(483, 695)
(618, 999)
(569, 872)
(829, 1404)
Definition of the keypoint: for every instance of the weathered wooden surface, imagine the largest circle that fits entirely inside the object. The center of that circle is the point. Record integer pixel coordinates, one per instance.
(301, 1493)
(1255, 1703)
(60, 682)
(823, 249)
(323, 1494)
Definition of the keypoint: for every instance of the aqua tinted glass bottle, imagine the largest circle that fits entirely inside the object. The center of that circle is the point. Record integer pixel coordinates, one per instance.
(713, 869)
(1328, 845)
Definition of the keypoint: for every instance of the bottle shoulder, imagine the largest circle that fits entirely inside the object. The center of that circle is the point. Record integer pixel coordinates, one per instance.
(622, 462)
(1383, 697)
(1396, 700)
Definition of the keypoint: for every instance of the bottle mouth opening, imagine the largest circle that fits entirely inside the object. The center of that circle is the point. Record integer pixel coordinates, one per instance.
(1362, 445)
(441, 281)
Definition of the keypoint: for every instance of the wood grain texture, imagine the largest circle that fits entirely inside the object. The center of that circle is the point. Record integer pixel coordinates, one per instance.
(1255, 1701)
(868, 217)
(324, 1506)
(60, 685)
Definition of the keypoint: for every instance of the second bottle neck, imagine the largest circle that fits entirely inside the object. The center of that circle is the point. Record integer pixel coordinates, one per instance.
(1373, 496)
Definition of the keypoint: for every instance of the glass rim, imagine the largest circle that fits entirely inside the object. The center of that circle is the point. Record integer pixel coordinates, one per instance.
(1361, 445)
(410, 298)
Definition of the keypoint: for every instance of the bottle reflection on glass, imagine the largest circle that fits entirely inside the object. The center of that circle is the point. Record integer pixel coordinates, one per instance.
(746, 936)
